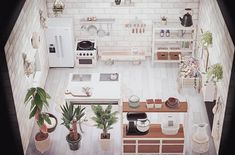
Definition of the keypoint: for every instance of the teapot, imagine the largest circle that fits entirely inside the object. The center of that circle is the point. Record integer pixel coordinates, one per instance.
(186, 21)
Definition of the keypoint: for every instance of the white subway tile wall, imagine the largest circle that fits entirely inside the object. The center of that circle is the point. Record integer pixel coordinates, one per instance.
(122, 38)
(222, 50)
(20, 42)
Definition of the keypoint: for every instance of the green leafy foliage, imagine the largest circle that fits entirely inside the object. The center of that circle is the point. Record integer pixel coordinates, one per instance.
(70, 114)
(104, 118)
(215, 72)
(38, 97)
(206, 38)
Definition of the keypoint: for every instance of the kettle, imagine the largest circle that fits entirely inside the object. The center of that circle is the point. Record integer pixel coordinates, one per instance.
(186, 21)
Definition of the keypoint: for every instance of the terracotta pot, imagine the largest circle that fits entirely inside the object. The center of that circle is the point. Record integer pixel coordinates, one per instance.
(42, 142)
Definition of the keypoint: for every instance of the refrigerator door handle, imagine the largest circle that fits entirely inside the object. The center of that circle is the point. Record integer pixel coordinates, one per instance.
(61, 46)
(57, 48)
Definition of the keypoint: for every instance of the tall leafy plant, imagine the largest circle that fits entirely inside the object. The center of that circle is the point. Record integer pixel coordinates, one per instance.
(71, 117)
(38, 97)
(104, 118)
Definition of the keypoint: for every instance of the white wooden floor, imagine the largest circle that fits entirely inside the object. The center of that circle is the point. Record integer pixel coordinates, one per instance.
(143, 80)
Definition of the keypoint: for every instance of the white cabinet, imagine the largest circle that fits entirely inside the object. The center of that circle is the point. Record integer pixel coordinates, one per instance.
(171, 41)
(60, 42)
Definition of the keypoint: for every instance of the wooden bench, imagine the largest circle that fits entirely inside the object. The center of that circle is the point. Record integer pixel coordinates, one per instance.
(110, 57)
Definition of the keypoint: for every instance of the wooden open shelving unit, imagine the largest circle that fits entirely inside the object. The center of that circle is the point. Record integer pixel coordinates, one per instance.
(155, 142)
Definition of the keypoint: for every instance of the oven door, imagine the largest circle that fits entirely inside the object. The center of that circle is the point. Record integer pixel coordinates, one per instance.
(85, 61)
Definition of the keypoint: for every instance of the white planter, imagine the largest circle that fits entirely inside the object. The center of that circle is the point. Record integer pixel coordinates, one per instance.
(105, 144)
(158, 106)
(44, 145)
(149, 106)
(209, 90)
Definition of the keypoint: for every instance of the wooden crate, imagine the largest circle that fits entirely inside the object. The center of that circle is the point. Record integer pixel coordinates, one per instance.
(174, 55)
(162, 55)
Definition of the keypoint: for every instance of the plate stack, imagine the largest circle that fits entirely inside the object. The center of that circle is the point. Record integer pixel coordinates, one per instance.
(172, 102)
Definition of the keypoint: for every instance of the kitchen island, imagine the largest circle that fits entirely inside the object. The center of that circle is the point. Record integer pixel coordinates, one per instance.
(94, 88)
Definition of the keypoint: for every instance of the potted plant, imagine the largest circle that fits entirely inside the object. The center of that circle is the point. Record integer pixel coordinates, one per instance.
(104, 119)
(215, 73)
(71, 117)
(206, 38)
(38, 97)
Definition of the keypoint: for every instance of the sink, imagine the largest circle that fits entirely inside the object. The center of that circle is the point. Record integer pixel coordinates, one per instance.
(108, 76)
(81, 77)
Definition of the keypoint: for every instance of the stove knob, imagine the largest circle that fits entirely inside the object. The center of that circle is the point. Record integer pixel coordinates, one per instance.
(91, 54)
(80, 54)
(84, 54)
(87, 54)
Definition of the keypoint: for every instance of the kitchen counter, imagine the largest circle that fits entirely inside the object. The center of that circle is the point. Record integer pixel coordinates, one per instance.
(103, 88)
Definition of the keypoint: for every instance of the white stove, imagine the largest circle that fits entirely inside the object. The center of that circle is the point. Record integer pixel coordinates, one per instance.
(86, 53)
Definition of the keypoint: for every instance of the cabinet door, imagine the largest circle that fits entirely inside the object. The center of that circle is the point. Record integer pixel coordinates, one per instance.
(66, 44)
(129, 146)
(60, 44)
(53, 48)
(173, 146)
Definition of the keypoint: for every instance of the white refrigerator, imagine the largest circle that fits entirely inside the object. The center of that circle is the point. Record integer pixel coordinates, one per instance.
(60, 42)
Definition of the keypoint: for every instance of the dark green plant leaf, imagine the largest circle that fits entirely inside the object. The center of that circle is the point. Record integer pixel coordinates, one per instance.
(47, 118)
(38, 101)
(29, 95)
(33, 112)
(40, 121)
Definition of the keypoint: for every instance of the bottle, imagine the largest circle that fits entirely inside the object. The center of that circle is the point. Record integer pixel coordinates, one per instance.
(168, 33)
(162, 33)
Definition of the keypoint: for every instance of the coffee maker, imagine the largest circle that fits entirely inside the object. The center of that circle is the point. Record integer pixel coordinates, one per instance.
(133, 117)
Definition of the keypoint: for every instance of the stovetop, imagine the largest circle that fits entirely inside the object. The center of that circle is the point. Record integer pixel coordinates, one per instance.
(86, 45)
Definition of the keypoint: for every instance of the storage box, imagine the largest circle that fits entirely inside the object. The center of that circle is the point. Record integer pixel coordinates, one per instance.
(174, 55)
(149, 103)
(162, 55)
(158, 103)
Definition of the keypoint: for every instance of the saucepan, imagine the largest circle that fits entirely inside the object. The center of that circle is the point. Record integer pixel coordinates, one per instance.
(101, 32)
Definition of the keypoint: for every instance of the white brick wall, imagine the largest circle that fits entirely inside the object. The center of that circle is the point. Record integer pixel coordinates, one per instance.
(222, 50)
(121, 37)
(20, 42)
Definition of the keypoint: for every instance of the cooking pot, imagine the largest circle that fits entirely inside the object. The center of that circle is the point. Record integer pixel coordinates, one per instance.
(84, 45)
(142, 125)
(186, 21)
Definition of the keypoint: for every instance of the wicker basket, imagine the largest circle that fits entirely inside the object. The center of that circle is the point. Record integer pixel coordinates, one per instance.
(162, 55)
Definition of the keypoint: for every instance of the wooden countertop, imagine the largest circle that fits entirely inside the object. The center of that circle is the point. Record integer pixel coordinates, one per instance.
(155, 132)
(142, 108)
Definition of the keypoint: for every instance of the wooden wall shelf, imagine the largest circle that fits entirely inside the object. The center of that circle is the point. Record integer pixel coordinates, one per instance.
(155, 131)
(142, 108)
